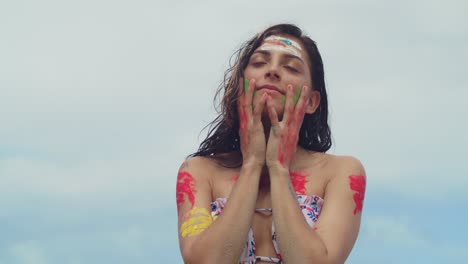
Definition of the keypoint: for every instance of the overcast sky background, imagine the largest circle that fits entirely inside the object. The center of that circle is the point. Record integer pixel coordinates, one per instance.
(100, 102)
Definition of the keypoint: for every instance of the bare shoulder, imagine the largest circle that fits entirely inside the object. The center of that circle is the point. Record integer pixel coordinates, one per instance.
(200, 167)
(344, 166)
(350, 163)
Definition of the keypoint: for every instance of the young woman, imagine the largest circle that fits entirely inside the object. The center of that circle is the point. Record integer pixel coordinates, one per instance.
(261, 188)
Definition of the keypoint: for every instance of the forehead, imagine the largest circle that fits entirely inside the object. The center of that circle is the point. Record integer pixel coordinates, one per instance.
(285, 44)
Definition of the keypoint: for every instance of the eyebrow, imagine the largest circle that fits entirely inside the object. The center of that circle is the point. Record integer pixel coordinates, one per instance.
(287, 55)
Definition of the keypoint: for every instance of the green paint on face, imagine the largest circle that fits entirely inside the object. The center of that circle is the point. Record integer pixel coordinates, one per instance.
(295, 97)
(246, 85)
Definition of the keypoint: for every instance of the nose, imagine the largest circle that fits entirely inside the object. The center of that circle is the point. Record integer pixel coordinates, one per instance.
(273, 73)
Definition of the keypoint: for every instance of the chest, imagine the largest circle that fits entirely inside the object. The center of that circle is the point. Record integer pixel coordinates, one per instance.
(304, 182)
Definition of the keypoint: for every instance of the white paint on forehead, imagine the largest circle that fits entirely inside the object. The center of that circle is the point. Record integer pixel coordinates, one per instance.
(282, 44)
(284, 40)
(280, 48)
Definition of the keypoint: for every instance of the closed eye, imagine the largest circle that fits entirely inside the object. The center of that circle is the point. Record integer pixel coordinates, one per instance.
(291, 68)
(258, 63)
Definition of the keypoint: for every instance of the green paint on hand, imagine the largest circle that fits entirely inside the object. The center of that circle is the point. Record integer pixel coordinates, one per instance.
(297, 95)
(246, 85)
(295, 98)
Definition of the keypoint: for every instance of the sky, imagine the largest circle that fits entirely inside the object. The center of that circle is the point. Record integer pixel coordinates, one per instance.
(101, 101)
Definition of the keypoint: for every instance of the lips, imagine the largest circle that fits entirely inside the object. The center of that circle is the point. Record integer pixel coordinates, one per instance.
(271, 88)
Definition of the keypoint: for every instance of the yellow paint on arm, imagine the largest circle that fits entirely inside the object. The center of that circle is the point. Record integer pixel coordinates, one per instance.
(199, 219)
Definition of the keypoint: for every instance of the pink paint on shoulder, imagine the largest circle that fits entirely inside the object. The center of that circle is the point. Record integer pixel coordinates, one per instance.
(315, 228)
(234, 178)
(185, 185)
(298, 181)
(357, 183)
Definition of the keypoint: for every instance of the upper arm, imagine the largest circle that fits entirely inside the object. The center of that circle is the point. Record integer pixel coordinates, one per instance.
(340, 218)
(193, 195)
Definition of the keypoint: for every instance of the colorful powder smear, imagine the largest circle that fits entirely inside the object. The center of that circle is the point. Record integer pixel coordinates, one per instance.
(298, 181)
(185, 185)
(358, 183)
(199, 220)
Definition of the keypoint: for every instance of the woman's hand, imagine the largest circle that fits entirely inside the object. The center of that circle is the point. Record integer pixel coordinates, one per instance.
(284, 135)
(252, 135)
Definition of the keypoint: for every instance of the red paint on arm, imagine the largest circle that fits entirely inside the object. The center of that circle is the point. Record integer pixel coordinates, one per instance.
(298, 181)
(358, 183)
(185, 185)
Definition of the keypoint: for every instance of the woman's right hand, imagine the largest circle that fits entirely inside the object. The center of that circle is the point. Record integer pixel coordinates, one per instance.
(251, 132)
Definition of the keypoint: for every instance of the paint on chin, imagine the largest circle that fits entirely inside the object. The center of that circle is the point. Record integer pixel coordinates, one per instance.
(357, 183)
(185, 186)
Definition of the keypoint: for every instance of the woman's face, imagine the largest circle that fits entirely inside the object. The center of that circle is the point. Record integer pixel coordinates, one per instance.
(279, 61)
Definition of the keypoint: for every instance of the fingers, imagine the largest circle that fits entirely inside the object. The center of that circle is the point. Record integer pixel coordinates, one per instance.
(288, 107)
(258, 109)
(249, 87)
(272, 113)
(240, 107)
(302, 102)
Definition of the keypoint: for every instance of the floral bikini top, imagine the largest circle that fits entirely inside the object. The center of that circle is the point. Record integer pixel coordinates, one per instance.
(310, 207)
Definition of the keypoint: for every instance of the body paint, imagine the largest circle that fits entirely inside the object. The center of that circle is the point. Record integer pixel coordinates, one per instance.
(234, 178)
(298, 181)
(295, 98)
(185, 185)
(282, 44)
(289, 141)
(199, 219)
(246, 85)
(243, 116)
(358, 183)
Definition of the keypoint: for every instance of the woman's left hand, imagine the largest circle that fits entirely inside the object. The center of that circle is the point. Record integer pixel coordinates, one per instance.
(284, 135)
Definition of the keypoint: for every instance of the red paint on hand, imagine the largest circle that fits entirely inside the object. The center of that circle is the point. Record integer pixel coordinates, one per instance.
(290, 134)
(298, 181)
(185, 185)
(358, 183)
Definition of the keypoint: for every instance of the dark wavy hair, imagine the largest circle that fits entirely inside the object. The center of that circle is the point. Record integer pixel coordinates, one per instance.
(223, 133)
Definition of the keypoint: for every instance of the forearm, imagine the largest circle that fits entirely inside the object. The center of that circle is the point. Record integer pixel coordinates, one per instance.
(298, 243)
(224, 239)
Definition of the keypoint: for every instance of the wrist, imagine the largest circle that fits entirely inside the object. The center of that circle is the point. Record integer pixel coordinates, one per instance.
(276, 168)
(252, 166)
(253, 163)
